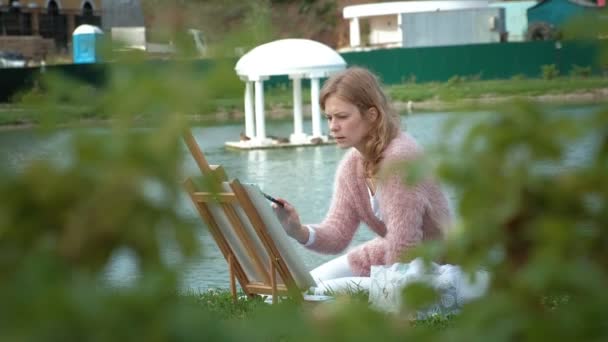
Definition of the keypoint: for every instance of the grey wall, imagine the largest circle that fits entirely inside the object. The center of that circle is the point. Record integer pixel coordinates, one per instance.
(121, 13)
(454, 27)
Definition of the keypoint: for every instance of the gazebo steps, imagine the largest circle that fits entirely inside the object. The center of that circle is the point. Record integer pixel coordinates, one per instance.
(257, 145)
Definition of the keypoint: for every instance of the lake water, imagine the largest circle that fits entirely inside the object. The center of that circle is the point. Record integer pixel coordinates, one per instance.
(304, 176)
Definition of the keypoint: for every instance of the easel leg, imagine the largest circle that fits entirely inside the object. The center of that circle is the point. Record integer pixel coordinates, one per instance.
(232, 280)
(273, 281)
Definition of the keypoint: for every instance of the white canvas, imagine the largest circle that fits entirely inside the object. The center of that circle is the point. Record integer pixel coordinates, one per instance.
(275, 230)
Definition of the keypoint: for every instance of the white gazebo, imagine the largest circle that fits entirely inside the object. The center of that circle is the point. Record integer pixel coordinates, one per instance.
(299, 59)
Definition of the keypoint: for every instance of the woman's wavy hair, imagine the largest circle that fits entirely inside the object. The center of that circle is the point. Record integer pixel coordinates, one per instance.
(363, 89)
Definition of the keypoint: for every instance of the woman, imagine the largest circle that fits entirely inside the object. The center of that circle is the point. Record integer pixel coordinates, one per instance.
(359, 116)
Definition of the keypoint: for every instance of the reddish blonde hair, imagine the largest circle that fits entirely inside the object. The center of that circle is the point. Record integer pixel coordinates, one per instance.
(363, 89)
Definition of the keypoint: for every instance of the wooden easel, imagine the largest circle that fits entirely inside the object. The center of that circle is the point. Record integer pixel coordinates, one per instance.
(275, 266)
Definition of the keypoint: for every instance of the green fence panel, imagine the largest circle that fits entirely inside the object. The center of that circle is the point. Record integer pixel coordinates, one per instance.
(16, 80)
(582, 54)
(486, 61)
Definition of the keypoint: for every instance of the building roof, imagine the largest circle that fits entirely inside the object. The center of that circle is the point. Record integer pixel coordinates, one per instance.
(87, 29)
(582, 3)
(396, 7)
(290, 57)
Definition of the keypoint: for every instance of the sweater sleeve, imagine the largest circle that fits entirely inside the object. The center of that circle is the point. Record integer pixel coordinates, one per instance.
(402, 207)
(337, 229)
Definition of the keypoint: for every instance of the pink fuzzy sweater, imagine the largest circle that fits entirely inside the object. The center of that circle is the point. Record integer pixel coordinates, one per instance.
(410, 214)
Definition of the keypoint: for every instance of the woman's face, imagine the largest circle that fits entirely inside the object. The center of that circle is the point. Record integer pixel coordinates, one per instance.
(346, 123)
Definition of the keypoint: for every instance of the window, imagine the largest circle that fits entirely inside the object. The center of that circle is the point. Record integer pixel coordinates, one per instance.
(87, 10)
(53, 9)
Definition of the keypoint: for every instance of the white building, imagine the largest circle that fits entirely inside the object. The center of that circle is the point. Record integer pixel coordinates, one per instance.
(386, 21)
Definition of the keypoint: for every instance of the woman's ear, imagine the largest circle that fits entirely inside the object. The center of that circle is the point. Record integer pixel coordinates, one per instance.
(372, 113)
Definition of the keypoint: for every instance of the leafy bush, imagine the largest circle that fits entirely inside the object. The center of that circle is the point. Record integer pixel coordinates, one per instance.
(409, 80)
(455, 80)
(518, 77)
(536, 224)
(579, 71)
(549, 71)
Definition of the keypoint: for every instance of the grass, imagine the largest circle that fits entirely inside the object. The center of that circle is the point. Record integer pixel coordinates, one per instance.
(220, 304)
(352, 290)
(458, 88)
(434, 322)
(13, 114)
(458, 93)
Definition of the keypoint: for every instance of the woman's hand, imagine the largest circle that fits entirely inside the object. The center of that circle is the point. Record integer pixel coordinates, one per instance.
(290, 220)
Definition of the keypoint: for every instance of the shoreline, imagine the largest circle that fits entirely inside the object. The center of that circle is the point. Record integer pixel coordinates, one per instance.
(277, 113)
(587, 97)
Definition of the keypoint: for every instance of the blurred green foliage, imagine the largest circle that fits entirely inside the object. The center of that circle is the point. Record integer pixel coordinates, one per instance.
(537, 225)
(580, 71)
(549, 71)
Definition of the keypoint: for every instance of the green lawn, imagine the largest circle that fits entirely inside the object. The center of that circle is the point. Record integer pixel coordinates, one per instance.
(219, 303)
(456, 93)
(460, 88)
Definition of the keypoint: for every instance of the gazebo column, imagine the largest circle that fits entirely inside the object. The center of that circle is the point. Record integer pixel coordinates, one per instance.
(298, 135)
(249, 122)
(314, 104)
(260, 120)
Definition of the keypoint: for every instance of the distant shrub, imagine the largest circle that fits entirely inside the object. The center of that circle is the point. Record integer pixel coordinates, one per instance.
(518, 77)
(476, 77)
(549, 71)
(455, 80)
(580, 71)
(410, 79)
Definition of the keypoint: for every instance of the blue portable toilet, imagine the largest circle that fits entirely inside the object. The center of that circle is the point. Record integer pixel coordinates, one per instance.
(85, 40)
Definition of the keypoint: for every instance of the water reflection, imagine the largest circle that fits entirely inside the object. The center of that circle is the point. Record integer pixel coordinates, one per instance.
(257, 166)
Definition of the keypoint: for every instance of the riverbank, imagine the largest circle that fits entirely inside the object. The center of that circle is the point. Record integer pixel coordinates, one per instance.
(585, 97)
(457, 94)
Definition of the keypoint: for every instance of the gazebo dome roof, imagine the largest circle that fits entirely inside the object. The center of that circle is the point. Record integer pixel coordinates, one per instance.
(290, 57)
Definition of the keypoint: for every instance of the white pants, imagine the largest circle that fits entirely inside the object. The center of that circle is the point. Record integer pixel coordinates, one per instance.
(336, 276)
(335, 268)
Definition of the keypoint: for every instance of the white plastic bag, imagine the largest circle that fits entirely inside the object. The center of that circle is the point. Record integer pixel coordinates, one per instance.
(452, 284)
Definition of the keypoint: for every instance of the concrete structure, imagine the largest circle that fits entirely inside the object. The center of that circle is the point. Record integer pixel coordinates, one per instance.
(299, 59)
(32, 47)
(121, 13)
(452, 27)
(385, 19)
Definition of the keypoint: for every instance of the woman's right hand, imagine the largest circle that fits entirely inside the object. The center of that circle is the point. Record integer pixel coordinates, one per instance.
(290, 220)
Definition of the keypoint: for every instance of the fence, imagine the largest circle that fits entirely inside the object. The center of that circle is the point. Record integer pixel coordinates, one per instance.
(486, 61)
